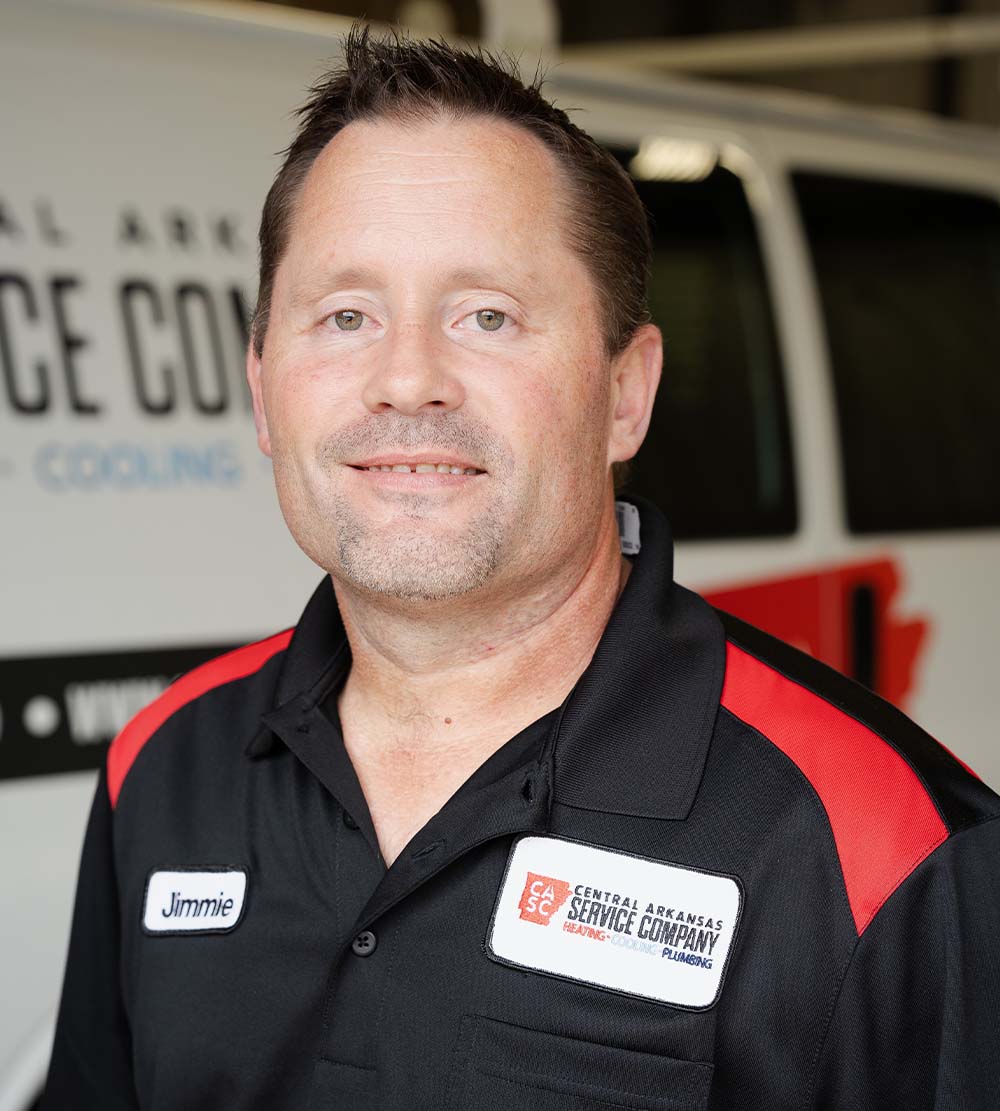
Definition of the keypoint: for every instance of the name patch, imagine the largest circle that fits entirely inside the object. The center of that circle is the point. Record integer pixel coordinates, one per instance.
(188, 900)
(617, 921)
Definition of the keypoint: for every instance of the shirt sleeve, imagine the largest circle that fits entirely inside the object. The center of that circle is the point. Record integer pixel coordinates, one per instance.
(91, 1056)
(916, 1024)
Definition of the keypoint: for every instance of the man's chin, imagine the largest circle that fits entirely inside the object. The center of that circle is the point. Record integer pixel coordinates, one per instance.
(419, 561)
(410, 581)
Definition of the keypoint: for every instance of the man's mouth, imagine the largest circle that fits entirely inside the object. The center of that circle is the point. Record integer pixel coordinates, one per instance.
(421, 467)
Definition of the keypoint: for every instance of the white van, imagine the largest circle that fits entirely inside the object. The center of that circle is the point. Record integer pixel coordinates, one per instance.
(825, 441)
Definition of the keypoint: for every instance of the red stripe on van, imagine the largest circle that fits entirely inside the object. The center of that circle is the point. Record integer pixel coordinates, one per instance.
(213, 673)
(883, 820)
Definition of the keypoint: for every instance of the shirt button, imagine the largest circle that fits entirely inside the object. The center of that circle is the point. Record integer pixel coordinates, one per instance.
(349, 821)
(364, 944)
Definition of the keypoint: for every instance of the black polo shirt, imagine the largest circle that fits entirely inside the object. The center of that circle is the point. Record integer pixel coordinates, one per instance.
(720, 875)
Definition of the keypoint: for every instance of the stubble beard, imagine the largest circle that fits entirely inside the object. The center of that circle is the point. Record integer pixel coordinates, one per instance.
(410, 561)
(418, 554)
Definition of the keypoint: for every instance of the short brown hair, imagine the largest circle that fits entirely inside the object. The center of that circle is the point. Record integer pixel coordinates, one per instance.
(397, 78)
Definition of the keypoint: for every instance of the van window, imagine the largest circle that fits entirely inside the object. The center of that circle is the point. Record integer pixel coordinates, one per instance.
(909, 280)
(717, 457)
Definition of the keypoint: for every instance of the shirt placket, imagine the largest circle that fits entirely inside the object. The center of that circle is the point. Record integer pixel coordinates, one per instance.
(369, 937)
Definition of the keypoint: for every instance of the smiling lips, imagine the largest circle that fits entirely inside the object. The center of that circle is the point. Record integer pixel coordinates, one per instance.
(422, 468)
(401, 465)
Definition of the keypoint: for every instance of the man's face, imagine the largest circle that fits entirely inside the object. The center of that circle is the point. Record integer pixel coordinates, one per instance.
(429, 313)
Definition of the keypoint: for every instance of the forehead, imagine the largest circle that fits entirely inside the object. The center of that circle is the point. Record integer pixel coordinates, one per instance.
(443, 186)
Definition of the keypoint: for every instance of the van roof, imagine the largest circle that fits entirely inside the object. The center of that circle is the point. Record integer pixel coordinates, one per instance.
(776, 107)
(750, 104)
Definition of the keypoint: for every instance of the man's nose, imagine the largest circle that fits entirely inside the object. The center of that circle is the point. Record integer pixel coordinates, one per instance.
(412, 373)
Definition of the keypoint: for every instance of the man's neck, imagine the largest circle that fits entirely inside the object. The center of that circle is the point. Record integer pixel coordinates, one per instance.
(440, 672)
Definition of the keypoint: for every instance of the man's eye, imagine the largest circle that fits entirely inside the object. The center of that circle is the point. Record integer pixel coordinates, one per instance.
(348, 320)
(490, 320)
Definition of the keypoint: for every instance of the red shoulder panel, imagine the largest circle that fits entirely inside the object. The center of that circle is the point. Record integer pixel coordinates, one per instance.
(223, 669)
(884, 822)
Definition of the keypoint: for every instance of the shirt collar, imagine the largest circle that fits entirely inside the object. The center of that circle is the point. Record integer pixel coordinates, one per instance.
(637, 726)
(646, 702)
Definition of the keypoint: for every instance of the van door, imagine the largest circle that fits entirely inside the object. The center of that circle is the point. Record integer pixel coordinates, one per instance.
(908, 278)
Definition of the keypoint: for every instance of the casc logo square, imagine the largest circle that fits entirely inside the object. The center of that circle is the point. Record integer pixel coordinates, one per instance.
(541, 898)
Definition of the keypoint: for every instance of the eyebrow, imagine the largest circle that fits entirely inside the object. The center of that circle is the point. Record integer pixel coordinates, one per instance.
(314, 289)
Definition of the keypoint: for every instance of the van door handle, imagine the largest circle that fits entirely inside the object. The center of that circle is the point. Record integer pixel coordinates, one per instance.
(863, 635)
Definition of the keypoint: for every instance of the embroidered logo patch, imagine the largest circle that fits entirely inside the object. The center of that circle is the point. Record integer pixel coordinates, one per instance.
(189, 900)
(617, 921)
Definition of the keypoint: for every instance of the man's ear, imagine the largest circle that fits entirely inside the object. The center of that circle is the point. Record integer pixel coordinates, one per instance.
(635, 375)
(254, 371)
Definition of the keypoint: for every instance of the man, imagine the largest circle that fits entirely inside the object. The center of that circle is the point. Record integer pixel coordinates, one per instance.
(509, 819)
